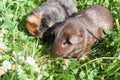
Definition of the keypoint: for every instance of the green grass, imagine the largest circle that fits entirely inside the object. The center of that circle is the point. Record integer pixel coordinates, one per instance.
(103, 62)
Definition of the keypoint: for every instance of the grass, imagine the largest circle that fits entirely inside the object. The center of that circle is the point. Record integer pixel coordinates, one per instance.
(102, 64)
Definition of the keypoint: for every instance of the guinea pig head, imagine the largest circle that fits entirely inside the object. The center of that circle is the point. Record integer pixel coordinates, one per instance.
(36, 25)
(68, 39)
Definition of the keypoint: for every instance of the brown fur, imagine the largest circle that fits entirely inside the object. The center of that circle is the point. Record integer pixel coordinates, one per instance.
(32, 23)
(76, 35)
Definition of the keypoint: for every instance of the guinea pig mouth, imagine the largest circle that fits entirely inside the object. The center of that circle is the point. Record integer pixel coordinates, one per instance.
(39, 36)
(73, 53)
(69, 52)
(40, 33)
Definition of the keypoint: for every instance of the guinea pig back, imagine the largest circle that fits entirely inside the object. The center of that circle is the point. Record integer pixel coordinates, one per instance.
(50, 12)
(76, 35)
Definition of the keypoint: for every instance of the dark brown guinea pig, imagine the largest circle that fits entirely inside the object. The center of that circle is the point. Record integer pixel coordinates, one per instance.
(76, 35)
(50, 12)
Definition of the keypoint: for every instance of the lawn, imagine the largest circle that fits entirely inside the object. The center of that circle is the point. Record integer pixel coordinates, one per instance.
(23, 57)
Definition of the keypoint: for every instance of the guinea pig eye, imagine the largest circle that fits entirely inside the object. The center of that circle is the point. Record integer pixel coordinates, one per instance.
(66, 42)
(43, 23)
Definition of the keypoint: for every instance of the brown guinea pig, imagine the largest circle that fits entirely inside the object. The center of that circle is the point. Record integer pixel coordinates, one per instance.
(50, 12)
(75, 36)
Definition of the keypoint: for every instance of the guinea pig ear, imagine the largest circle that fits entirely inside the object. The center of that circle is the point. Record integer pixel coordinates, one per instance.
(74, 39)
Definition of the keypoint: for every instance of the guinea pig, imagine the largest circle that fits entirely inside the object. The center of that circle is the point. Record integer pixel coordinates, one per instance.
(75, 36)
(50, 12)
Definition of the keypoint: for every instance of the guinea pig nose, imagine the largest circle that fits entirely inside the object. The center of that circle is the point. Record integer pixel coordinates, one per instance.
(39, 36)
